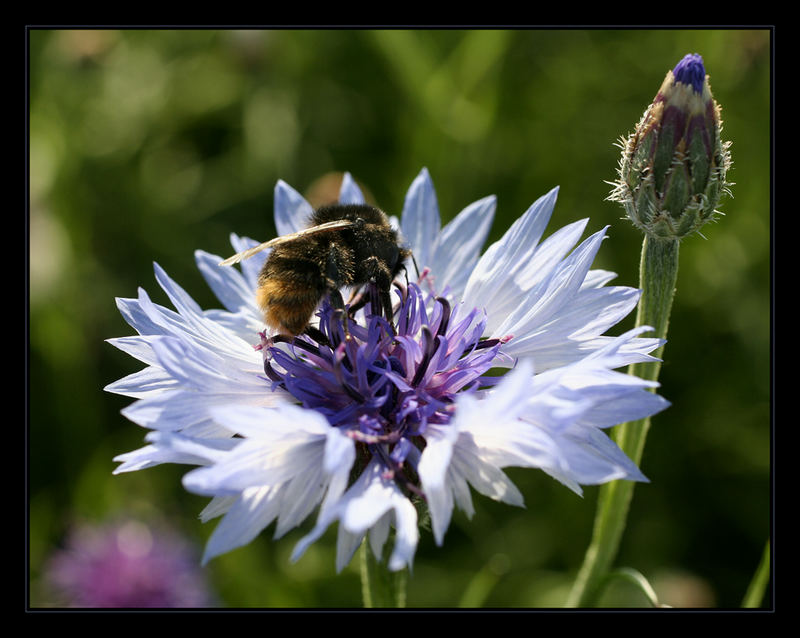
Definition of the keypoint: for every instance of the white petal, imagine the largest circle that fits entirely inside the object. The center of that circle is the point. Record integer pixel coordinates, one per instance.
(252, 463)
(359, 509)
(274, 423)
(432, 470)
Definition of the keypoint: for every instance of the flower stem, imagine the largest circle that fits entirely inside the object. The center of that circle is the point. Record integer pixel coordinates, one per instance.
(755, 592)
(658, 272)
(637, 580)
(379, 586)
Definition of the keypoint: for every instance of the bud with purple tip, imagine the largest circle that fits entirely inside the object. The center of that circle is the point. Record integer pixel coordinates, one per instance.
(673, 166)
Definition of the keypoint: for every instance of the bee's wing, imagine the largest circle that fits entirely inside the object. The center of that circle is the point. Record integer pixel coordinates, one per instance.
(246, 254)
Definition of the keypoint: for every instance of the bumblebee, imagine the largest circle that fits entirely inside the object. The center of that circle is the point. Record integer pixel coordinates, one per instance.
(344, 245)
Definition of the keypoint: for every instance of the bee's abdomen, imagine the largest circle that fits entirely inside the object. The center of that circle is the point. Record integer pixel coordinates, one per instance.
(289, 288)
(287, 307)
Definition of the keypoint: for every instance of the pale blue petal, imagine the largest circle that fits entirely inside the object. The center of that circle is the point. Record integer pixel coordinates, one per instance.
(300, 496)
(597, 278)
(166, 321)
(550, 294)
(483, 474)
(167, 448)
(148, 456)
(250, 267)
(340, 454)
(169, 410)
(272, 424)
(197, 326)
(407, 534)
(595, 310)
(161, 324)
(494, 272)
(550, 253)
(349, 192)
(192, 405)
(557, 426)
(631, 407)
(634, 351)
(207, 371)
(346, 545)
(616, 351)
(461, 494)
(139, 347)
(143, 383)
(246, 324)
(253, 511)
(252, 463)
(292, 211)
(184, 304)
(360, 508)
(432, 470)
(593, 458)
(217, 506)
(379, 534)
(227, 283)
(197, 451)
(589, 313)
(459, 244)
(420, 219)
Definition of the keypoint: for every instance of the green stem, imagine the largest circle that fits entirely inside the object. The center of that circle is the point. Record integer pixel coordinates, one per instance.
(379, 586)
(637, 580)
(658, 272)
(755, 592)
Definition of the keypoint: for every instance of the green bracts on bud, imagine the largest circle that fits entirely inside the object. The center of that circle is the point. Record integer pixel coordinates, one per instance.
(673, 168)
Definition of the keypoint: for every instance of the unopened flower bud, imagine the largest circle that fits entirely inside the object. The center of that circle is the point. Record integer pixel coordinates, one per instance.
(673, 166)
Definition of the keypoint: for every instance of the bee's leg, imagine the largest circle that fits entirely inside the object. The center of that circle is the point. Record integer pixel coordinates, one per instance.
(317, 335)
(388, 310)
(333, 283)
(337, 303)
(382, 276)
(357, 301)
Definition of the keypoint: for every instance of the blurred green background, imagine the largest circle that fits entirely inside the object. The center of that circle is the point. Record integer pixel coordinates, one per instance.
(148, 144)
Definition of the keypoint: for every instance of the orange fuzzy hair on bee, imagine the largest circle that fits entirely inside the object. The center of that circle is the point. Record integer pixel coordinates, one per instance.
(286, 308)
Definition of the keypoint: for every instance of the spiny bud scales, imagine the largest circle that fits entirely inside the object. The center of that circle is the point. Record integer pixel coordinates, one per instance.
(673, 166)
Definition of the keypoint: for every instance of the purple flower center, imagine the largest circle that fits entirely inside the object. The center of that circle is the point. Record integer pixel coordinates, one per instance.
(385, 381)
(690, 70)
